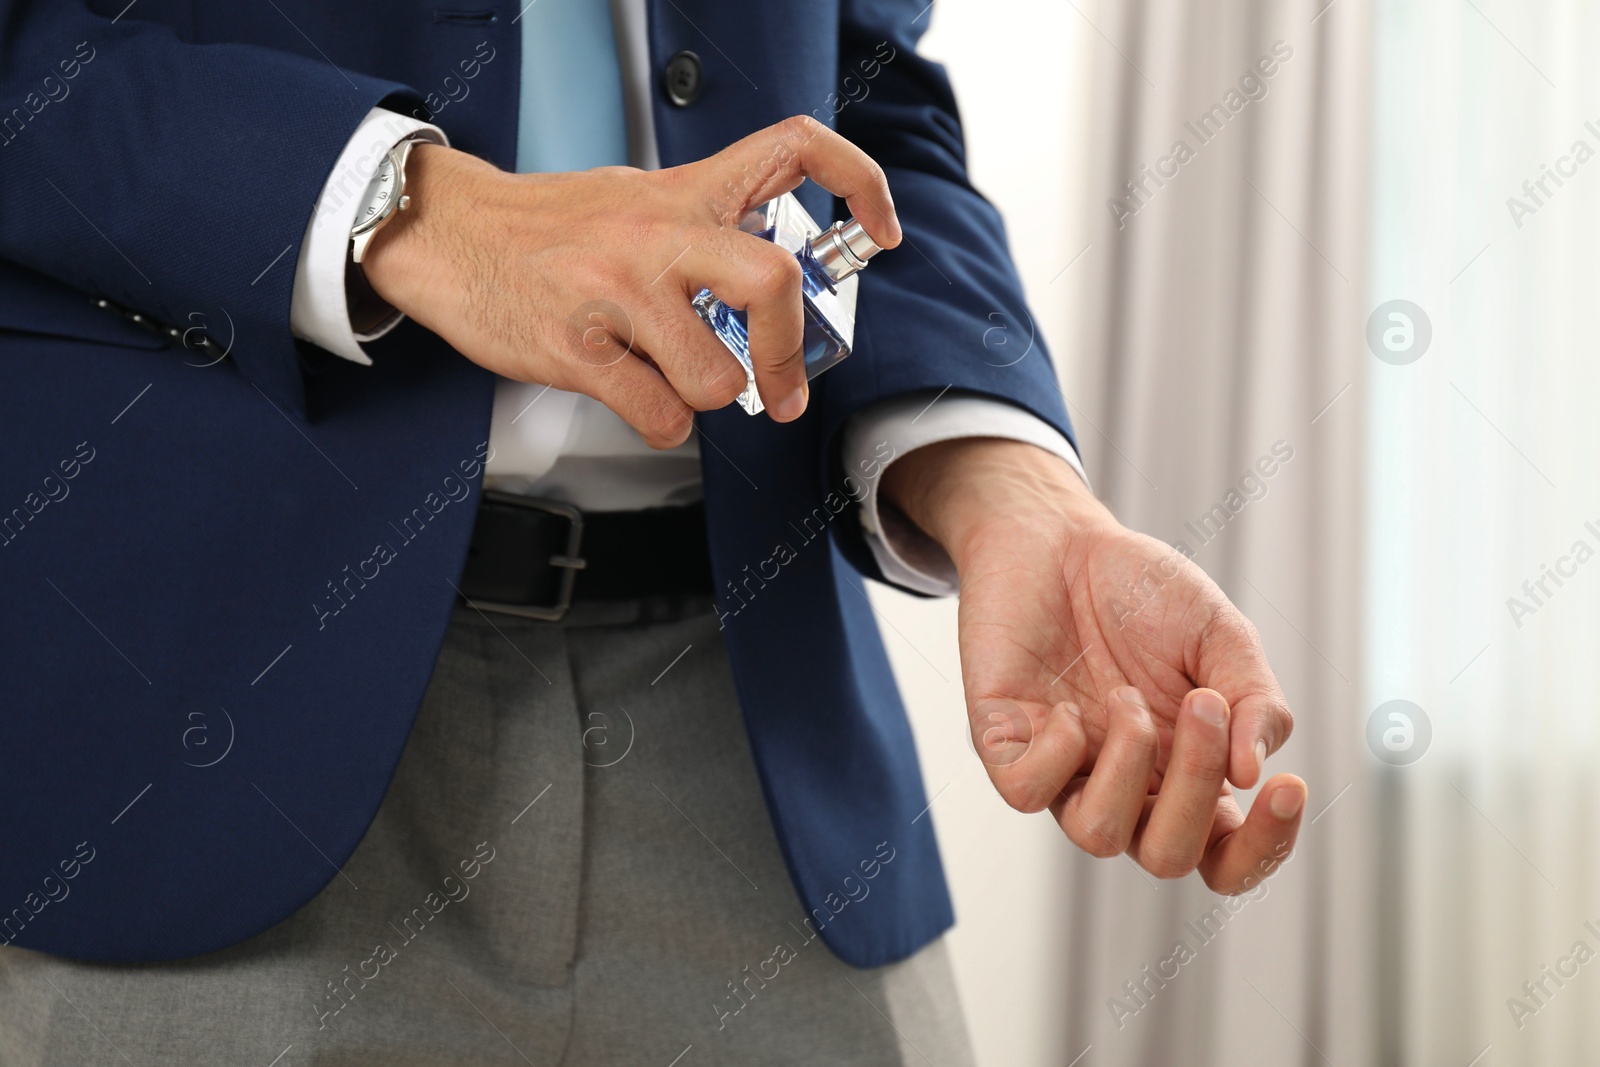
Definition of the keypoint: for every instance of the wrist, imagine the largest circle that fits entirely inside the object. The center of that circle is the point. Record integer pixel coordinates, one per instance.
(410, 261)
(963, 491)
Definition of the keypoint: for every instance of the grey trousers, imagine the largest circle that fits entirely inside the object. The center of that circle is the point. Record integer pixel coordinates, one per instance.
(573, 865)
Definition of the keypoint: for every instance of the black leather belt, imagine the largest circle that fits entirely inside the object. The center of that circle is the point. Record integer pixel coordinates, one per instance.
(534, 558)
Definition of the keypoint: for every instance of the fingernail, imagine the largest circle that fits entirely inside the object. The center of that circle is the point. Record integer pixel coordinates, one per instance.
(1287, 802)
(1261, 754)
(1132, 696)
(1208, 706)
(791, 406)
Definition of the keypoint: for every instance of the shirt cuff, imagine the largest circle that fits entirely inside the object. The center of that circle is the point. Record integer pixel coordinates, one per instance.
(908, 557)
(318, 311)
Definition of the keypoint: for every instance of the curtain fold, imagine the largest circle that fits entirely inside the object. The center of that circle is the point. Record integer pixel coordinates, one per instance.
(1217, 375)
(1482, 605)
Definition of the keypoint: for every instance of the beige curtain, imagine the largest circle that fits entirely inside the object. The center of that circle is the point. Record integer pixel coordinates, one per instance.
(1217, 379)
(1485, 511)
(1420, 543)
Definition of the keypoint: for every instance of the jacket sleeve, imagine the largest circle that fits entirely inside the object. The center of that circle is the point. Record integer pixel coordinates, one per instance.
(171, 178)
(945, 310)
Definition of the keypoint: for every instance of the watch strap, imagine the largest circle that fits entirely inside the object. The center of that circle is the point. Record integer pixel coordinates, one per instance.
(371, 316)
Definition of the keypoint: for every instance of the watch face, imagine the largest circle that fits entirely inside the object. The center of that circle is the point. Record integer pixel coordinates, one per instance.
(376, 200)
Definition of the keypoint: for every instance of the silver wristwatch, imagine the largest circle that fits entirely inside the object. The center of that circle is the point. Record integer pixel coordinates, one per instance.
(384, 196)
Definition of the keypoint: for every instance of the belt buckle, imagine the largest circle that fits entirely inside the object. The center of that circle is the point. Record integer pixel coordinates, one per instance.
(569, 561)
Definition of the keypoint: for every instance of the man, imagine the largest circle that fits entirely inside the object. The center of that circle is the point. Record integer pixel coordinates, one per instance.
(642, 792)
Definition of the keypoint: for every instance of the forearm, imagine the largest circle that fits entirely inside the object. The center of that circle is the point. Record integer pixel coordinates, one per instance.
(955, 491)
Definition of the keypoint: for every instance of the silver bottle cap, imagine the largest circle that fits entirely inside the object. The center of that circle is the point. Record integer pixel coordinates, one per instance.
(843, 249)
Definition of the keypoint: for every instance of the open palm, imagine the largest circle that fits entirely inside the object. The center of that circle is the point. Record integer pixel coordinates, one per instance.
(1109, 679)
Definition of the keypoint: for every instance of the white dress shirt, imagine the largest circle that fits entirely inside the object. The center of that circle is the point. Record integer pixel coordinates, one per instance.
(565, 446)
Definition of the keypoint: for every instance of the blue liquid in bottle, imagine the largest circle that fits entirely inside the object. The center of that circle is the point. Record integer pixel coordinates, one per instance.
(823, 341)
(828, 264)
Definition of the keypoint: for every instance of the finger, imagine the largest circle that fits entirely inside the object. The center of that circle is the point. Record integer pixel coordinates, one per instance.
(1031, 752)
(610, 363)
(1243, 856)
(763, 280)
(697, 365)
(1173, 840)
(1101, 812)
(1231, 661)
(773, 161)
(641, 396)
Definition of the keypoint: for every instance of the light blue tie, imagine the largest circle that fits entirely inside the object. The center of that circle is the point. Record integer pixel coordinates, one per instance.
(570, 114)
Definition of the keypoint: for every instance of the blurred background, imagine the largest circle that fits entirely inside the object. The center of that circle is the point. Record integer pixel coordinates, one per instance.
(1360, 232)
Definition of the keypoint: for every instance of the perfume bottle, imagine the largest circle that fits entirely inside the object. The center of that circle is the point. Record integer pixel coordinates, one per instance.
(829, 261)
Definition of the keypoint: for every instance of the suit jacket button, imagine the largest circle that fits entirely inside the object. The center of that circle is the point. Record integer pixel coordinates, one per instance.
(682, 79)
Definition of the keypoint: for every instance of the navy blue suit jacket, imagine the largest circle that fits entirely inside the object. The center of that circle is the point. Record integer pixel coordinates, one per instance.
(190, 739)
